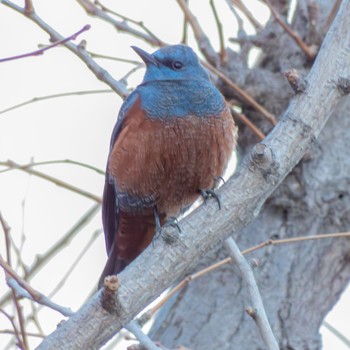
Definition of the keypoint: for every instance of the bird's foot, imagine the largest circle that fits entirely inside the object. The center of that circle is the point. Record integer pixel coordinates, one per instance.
(210, 193)
(171, 237)
(171, 221)
(217, 180)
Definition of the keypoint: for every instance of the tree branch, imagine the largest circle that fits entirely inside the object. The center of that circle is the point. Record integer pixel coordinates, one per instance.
(241, 197)
(258, 314)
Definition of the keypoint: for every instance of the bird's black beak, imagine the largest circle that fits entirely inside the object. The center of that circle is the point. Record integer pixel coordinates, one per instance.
(146, 57)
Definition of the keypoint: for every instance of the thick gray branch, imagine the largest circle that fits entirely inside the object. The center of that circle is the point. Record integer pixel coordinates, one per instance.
(242, 197)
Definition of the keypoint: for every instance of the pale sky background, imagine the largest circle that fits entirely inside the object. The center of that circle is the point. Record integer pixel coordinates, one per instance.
(77, 128)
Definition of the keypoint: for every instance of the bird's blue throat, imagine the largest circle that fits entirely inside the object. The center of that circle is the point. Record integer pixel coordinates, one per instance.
(180, 98)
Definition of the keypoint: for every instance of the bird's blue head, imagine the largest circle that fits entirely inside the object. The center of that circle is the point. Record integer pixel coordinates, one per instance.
(171, 63)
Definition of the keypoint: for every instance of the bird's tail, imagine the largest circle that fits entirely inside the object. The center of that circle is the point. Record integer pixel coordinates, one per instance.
(135, 233)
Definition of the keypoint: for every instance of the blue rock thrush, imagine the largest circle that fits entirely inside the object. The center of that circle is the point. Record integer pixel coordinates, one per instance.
(174, 136)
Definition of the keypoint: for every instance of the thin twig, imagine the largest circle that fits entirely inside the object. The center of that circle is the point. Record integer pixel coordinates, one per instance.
(48, 47)
(64, 94)
(223, 53)
(239, 20)
(258, 314)
(48, 162)
(128, 19)
(74, 264)
(29, 292)
(21, 320)
(29, 334)
(118, 59)
(239, 4)
(336, 333)
(309, 51)
(184, 30)
(332, 14)
(249, 124)
(54, 180)
(18, 284)
(6, 228)
(15, 329)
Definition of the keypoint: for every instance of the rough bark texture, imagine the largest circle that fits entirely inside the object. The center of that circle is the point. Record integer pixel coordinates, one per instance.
(299, 282)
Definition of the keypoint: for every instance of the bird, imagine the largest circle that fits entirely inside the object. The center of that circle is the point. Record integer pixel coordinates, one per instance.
(173, 139)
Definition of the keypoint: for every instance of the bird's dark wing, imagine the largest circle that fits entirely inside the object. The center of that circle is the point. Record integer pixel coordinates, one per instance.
(109, 204)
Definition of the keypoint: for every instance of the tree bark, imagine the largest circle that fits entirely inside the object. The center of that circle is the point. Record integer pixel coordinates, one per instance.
(299, 282)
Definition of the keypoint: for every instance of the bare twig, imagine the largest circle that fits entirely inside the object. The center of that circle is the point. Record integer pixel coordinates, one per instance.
(249, 124)
(21, 320)
(74, 264)
(6, 228)
(184, 30)
(23, 341)
(223, 53)
(118, 59)
(243, 94)
(127, 19)
(259, 314)
(15, 329)
(202, 39)
(332, 14)
(48, 47)
(239, 20)
(338, 334)
(15, 281)
(54, 180)
(30, 292)
(64, 94)
(239, 4)
(29, 334)
(63, 161)
(310, 52)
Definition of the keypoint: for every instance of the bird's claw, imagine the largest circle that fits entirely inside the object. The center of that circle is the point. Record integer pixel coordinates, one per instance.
(210, 193)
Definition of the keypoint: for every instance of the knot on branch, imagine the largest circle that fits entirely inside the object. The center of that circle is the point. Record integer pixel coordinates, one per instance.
(109, 294)
(262, 156)
(343, 85)
(296, 80)
(251, 312)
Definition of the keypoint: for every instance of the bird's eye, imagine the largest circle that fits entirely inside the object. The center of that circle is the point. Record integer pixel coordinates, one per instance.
(177, 65)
